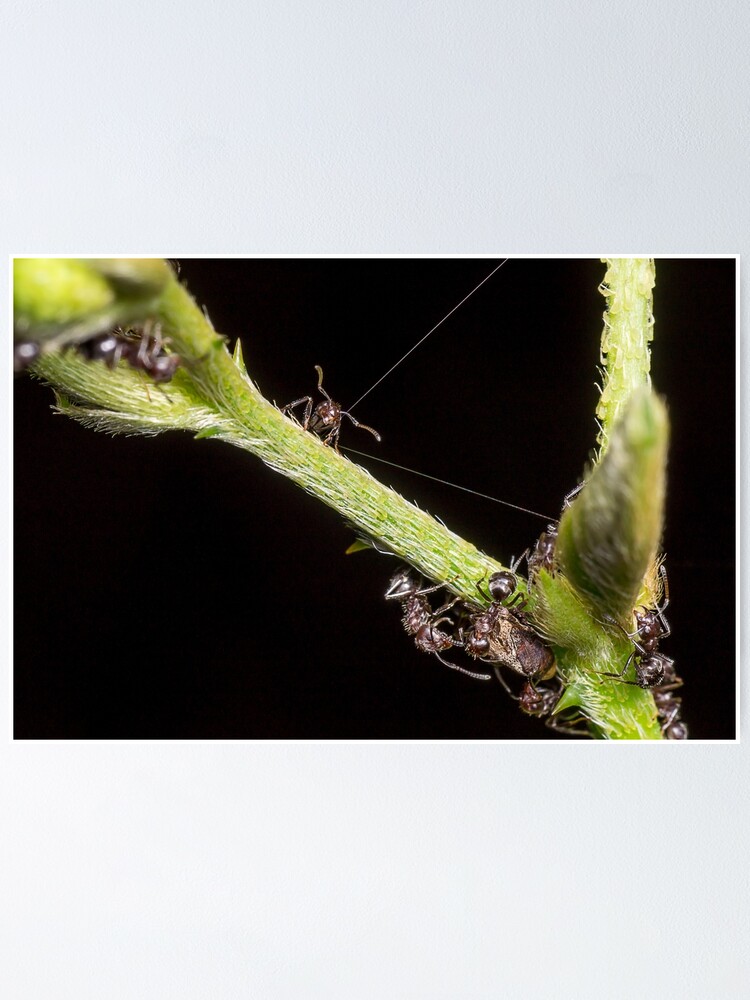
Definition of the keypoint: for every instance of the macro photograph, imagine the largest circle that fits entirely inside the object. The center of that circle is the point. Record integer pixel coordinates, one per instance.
(375, 498)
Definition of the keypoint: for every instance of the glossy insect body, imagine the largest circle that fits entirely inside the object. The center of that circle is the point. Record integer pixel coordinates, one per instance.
(668, 705)
(652, 668)
(420, 621)
(539, 701)
(325, 418)
(543, 554)
(499, 635)
(650, 623)
(145, 353)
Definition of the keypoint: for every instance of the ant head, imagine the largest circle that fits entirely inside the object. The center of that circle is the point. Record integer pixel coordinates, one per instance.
(502, 585)
(478, 645)
(328, 412)
(400, 586)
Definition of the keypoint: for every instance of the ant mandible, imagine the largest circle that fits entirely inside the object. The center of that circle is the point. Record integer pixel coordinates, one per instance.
(325, 418)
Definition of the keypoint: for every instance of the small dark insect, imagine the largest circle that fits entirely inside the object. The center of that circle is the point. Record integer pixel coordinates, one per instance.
(422, 622)
(652, 669)
(498, 635)
(325, 418)
(144, 352)
(651, 625)
(668, 705)
(541, 702)
(538, 701)
(25, 353)
(543, 554)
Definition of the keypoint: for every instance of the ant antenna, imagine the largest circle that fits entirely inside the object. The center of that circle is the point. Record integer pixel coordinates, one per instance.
(464, 299)
(455, 486)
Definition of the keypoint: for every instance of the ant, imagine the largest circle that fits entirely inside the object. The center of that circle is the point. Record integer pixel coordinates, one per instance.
(668, 708)
(325, 418)
(651, 625)
(541, 702)
(499, 635)
(543, 554)
(652, 669)
(668, 705)
(422, 622)
(145, 352)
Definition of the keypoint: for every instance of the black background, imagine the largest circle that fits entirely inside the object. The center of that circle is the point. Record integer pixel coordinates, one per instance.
(171, 588)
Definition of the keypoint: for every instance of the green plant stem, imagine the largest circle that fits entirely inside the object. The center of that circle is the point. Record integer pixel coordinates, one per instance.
(212, 396)
(628, 331)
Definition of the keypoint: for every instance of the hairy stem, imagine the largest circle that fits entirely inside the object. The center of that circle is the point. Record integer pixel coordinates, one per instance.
(212, 395)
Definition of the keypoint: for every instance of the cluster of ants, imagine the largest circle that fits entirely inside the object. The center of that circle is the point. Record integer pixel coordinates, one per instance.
(143, 350)
(498, 633)
(495, 630)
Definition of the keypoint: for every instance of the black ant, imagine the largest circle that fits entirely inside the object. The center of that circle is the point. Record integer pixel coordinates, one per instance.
(325, 418)
(651, 625)
(541, 702)
(498, 635)
(422, 622)
(145, 353)
(652, 669)
(543, 554)
(668, 705)
(668, 708)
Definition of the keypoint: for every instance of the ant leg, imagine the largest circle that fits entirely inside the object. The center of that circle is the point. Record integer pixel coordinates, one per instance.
(666, 630)
(486, 596)
(445, 607)
(159, 342)
(287, 410)
(603, 673)
(142, 352)
(364, 427)
(435, 621)
(332, 438)
(673, 716)
(308, 413)
(498, 674)
(519, 602)
(573, 493)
